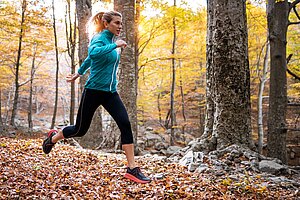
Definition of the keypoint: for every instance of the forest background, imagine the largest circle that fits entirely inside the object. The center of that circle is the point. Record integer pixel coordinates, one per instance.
(36, 62)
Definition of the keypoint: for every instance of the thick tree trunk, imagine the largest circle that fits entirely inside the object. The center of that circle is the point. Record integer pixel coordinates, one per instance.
(128, 68)
(93, 138)
(228, 82)
(277, 25)
(83, 12)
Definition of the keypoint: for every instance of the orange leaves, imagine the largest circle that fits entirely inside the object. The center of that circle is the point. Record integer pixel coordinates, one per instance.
(70, 173)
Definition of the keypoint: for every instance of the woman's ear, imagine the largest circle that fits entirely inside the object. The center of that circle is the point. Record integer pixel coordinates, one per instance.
(105, 24)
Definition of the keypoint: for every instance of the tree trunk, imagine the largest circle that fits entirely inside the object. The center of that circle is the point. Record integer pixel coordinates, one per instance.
(93, 138)
(277, 25)
(57, 70)
(71, 47)
(128, 68)
(30, 125)
(210, 106)
(17, 85)
(262, 80)
(172, 110)
(1, 121)
(83, 12)
(228, 83)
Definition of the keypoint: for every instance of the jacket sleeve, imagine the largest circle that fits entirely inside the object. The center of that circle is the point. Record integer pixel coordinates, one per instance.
(99, 48)
(84, 66)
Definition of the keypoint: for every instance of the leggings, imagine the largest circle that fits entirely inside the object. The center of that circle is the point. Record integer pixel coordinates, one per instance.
(112, 103)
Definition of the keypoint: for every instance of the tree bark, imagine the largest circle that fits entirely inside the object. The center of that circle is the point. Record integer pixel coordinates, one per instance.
(1, 121)
(83, 12)
(93, 138)
(30, 124)
(277, 24)
(71, 47)
(172, 99)
(57, 69)
(262, 80)
(128, 68)
(228, 119)
(17, 85)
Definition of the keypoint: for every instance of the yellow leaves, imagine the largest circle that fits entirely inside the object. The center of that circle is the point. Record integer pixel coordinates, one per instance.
(226, 182)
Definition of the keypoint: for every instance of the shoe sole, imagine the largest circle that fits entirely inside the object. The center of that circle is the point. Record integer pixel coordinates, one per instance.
(49, 134)
(133, 178)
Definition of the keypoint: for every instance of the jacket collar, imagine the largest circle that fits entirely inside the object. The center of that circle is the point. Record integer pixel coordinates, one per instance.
(107, 33)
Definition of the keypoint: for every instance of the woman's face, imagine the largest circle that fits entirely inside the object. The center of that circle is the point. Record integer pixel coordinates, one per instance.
(115, 26)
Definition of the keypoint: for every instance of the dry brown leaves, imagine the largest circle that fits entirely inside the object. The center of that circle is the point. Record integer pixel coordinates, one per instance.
(70, 173)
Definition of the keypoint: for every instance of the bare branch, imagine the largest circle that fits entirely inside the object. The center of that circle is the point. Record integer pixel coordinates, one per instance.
(289, 71)
(293, 4)
(292, 23)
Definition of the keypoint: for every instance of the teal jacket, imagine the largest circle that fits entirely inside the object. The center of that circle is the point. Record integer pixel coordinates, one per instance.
(103, 60)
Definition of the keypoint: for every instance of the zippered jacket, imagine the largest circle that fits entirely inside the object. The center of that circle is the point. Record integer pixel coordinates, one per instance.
(103, 60)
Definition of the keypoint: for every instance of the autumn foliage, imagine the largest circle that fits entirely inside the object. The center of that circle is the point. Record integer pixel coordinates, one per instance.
(72, 173)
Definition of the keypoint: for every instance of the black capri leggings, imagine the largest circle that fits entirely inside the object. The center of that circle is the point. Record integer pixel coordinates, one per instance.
(90, 101)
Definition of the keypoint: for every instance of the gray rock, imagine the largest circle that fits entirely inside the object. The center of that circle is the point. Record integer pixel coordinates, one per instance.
(271, 167)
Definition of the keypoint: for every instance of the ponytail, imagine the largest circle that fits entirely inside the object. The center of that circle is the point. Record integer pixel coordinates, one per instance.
(96, 22)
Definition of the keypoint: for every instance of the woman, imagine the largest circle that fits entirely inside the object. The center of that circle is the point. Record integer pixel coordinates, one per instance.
(101, 89)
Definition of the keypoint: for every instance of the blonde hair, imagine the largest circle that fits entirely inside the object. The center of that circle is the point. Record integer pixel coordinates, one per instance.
(96, 22)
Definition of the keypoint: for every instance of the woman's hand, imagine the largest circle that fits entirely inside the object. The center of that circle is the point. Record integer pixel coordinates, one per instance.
(121, 43)
(72, 77)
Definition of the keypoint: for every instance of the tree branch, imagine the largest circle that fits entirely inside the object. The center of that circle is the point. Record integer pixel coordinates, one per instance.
(292, 23)
(289, 71)
(293, 4)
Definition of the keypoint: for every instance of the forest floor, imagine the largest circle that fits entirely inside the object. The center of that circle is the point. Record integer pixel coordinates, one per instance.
(73, 173)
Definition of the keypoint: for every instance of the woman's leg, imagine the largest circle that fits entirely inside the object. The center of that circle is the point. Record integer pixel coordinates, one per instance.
(117, 110)
(90, 101)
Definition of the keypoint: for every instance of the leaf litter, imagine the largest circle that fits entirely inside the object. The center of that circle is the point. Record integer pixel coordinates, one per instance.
(72, 173)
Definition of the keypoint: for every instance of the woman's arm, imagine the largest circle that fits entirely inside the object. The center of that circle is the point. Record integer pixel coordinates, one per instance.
(84, 66)
(72, 77)
(99, 48)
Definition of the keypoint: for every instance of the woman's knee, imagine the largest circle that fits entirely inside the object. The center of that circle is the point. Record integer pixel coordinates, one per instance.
(74, 131)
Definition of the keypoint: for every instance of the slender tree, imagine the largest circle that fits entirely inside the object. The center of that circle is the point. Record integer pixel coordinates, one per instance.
(57, 67)
(71, 47)
(1, 121)
(262, 80)
(17, 67)
(32, 73)
(173, 84)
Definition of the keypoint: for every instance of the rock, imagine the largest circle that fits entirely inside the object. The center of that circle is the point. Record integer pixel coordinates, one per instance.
(193, 166)
(271, 167)
(202, 168)
(161, 145)
(173, 149)
(149, 128)
(187, 159)
(151, 139)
